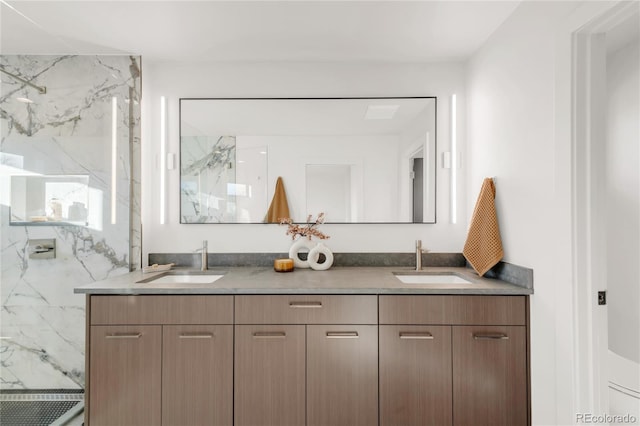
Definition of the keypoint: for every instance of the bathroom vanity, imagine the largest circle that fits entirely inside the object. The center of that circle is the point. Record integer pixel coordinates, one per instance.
(348, 346)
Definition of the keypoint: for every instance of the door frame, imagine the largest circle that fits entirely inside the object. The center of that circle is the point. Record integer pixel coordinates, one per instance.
(588, 138)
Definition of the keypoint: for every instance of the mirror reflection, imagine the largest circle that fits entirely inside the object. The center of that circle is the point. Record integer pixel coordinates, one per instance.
(358, 160)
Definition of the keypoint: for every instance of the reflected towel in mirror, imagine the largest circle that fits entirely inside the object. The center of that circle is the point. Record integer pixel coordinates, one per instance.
(279, 208)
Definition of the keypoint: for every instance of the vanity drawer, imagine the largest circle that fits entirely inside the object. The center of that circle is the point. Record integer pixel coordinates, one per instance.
(454, 310)
(154, 309)
(306, 309)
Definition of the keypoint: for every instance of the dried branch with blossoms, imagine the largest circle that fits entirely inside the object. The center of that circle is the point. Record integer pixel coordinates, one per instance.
(309, 230)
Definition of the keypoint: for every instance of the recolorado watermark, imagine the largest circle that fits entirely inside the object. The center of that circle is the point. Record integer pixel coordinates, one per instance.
(590, 418)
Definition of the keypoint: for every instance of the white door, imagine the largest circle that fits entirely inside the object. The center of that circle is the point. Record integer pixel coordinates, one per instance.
(622, 216)
(606, 211)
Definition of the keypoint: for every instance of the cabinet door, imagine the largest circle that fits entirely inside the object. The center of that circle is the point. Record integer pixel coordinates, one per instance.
(415, 375)
(342, 375)
(125, 372)
(197, 375)
(489, 375)
(269, 375)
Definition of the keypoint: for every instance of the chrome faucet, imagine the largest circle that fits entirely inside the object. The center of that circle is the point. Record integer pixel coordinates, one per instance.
(419, 251)
(205, 256)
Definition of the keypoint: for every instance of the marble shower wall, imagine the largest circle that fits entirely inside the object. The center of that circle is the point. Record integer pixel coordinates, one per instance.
(67, 131)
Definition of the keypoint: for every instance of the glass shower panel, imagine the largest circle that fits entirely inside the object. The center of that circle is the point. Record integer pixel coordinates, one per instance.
(68, 165)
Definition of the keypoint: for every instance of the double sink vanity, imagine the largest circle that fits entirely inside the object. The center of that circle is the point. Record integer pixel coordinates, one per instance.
(354, 345)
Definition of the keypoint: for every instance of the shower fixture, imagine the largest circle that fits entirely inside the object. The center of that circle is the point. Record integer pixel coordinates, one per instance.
(41, 89)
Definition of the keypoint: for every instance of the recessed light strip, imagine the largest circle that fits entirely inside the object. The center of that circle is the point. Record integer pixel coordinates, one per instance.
(454, 160)
(163, 156)
(114, 157)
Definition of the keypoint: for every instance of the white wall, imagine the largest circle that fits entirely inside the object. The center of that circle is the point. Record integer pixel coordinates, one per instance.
(622, 186)
(511, 134)
(175, 80)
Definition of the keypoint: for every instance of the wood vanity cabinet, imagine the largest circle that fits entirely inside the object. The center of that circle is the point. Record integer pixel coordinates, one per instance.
(415, 375)
(159, 360)
(489, 375)
(197, 375)
(317, 360)
(270, 375)
(342, 375)
(306, 359)
(463, 360)
(125, 375)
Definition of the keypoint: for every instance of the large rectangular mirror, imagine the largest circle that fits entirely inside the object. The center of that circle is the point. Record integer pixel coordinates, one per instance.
(358, 160)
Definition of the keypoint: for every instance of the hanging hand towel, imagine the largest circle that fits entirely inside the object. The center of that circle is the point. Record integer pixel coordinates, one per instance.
(279, 208)
(483, 248)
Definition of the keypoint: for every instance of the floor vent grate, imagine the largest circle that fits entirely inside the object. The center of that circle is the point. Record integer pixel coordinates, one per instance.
(35, 408)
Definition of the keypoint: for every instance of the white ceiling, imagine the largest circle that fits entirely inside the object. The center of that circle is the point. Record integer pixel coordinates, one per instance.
(386, 31)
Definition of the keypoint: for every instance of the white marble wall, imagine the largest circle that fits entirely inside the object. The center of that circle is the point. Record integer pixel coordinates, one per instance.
(68, 130)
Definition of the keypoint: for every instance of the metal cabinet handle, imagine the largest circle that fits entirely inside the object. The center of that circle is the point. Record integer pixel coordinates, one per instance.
(490, 336)
(416, 335)
(123, 336)
(269, 335)
(342, 334)
(195, 336)
(305, 304)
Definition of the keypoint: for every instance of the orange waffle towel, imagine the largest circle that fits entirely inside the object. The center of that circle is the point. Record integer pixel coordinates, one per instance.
(483, 247)
(279, 208)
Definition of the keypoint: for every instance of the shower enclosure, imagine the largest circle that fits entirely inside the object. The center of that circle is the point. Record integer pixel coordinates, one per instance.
(70, 190)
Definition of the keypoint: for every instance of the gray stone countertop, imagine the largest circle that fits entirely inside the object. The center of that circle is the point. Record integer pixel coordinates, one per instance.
(337, 280)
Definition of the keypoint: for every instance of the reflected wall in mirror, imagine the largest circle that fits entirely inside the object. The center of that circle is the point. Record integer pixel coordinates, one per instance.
(359, 160)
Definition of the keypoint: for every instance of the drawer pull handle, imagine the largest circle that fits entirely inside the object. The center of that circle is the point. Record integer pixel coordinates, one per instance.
(305, 304)
(416, 335)
(490, 336)
(342, 334)
(123, 336)
(269, 335)
(195, 335)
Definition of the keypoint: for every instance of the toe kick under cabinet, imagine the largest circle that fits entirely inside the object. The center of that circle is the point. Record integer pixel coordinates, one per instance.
(321, 360)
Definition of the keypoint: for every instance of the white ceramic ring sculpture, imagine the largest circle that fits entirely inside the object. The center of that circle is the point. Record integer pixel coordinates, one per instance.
(296, 247)
(314, 256)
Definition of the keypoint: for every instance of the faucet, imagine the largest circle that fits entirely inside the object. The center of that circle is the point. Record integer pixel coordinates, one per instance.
(419, 251)
(205, 256)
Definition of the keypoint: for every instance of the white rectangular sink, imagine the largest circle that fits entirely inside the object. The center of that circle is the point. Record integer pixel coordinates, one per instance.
(426, 278)
(184, 278)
